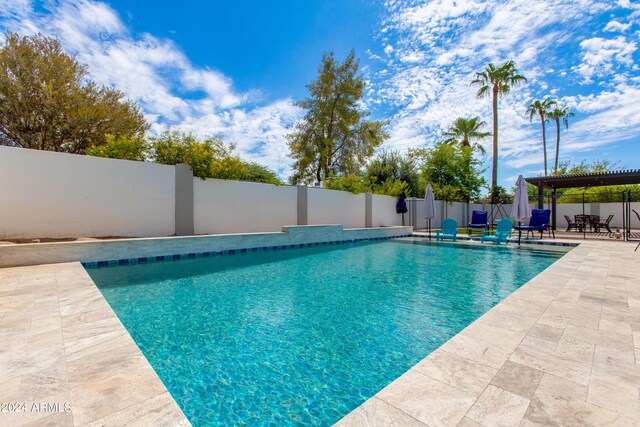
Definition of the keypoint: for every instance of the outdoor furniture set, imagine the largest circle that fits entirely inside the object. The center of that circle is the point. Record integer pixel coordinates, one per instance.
(539, 222)
(594, 222)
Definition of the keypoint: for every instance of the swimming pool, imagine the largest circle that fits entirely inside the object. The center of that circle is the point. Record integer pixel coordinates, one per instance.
(304, 336)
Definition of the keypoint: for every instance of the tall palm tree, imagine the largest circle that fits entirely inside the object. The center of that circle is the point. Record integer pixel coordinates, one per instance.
(542, 109)
(466, 130)
(496, 81)
(557, 114)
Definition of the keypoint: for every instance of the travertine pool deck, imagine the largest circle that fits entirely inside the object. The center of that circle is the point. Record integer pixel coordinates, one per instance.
(62, 344)
(562, 350)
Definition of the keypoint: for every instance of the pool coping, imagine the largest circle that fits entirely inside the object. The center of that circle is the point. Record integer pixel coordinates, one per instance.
(564, 349)
(129, 250)
(67, 350)
(62, 346)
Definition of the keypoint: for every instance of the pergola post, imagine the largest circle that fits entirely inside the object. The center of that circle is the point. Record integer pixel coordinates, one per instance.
(554, 200)
(540, 196)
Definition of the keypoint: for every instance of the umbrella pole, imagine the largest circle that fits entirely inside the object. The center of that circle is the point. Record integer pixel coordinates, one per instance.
(429, 228)
(519, 232)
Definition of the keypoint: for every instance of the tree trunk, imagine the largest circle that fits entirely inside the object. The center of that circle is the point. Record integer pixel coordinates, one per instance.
(555, 167)
(544, 142)
(494, 172)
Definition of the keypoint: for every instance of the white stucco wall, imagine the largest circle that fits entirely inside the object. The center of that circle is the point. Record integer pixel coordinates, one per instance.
(573, 209)
(54, 195)
(222, 206)
(336, 207)
(384, 211)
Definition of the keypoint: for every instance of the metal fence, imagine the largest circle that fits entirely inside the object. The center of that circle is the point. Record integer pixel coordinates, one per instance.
(585, 215)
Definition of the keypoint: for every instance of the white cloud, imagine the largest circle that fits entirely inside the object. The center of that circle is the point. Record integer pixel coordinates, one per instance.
(431, 51)
(602, 56)
(617, 27)
(449, 41)
(155, 73)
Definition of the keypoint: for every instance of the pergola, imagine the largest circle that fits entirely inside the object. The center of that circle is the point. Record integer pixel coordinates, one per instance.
(623, 177)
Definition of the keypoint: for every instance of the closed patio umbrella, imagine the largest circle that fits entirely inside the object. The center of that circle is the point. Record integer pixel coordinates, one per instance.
(401, 206)
(520, 210)
(429, 207)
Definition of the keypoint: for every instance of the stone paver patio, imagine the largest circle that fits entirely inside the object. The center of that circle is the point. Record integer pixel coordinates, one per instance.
(62, 344)
(562, 350)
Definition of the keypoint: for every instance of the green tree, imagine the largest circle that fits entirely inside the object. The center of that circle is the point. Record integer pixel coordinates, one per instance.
(602, 194)
(388, 169)
(255, 172)
(120, 147)
(542, 109)
(230, 166)
(174, 147)
(453, 171)
(558, 114)
(354, 183)
(333, 138)
(208, 158)
(47, 101)
(596, 166)
(496, 81)
(464, 131)
(500, 194)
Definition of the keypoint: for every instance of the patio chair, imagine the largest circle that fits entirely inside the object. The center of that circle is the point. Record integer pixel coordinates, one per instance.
(502, 233)
(479, 220)
(605, 223)
(572, 224)
(449, 230)
(539, 221)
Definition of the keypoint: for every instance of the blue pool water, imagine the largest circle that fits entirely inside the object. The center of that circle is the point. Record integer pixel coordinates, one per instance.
(304, 336)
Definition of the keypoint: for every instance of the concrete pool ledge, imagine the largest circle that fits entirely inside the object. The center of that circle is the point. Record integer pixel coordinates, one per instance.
(130, 249)
(564, 349)
(65, 351)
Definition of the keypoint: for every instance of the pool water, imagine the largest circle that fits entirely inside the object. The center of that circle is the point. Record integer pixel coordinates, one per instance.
(304, 336)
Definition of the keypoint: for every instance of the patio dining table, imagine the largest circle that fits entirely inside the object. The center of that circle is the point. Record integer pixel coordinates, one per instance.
(592, 221)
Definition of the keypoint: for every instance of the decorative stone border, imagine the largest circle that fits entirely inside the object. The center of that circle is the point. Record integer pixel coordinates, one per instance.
(177, 257)
(124, 251)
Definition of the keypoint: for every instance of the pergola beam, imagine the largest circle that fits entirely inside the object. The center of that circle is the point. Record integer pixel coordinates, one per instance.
(625, 177)
(553, 183)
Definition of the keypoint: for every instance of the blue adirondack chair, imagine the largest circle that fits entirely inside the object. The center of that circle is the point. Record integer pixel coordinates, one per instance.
(479, 220)
(449, 230)
(539, 221)
(502, 233)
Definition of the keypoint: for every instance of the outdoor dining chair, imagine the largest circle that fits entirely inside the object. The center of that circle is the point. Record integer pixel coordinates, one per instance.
(571, 224)
(605, 223)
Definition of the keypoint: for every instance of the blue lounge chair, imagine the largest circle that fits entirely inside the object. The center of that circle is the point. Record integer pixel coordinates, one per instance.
(539, 221)
(502, 233)
(479, 220)
(449, 230)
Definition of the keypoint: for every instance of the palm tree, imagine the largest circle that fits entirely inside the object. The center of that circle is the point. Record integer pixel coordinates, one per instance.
(541, 108)
(557, 114)
(496, 81)
(465, 130)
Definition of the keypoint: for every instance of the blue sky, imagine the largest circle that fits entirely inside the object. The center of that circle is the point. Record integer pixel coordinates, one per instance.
(235, 69)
